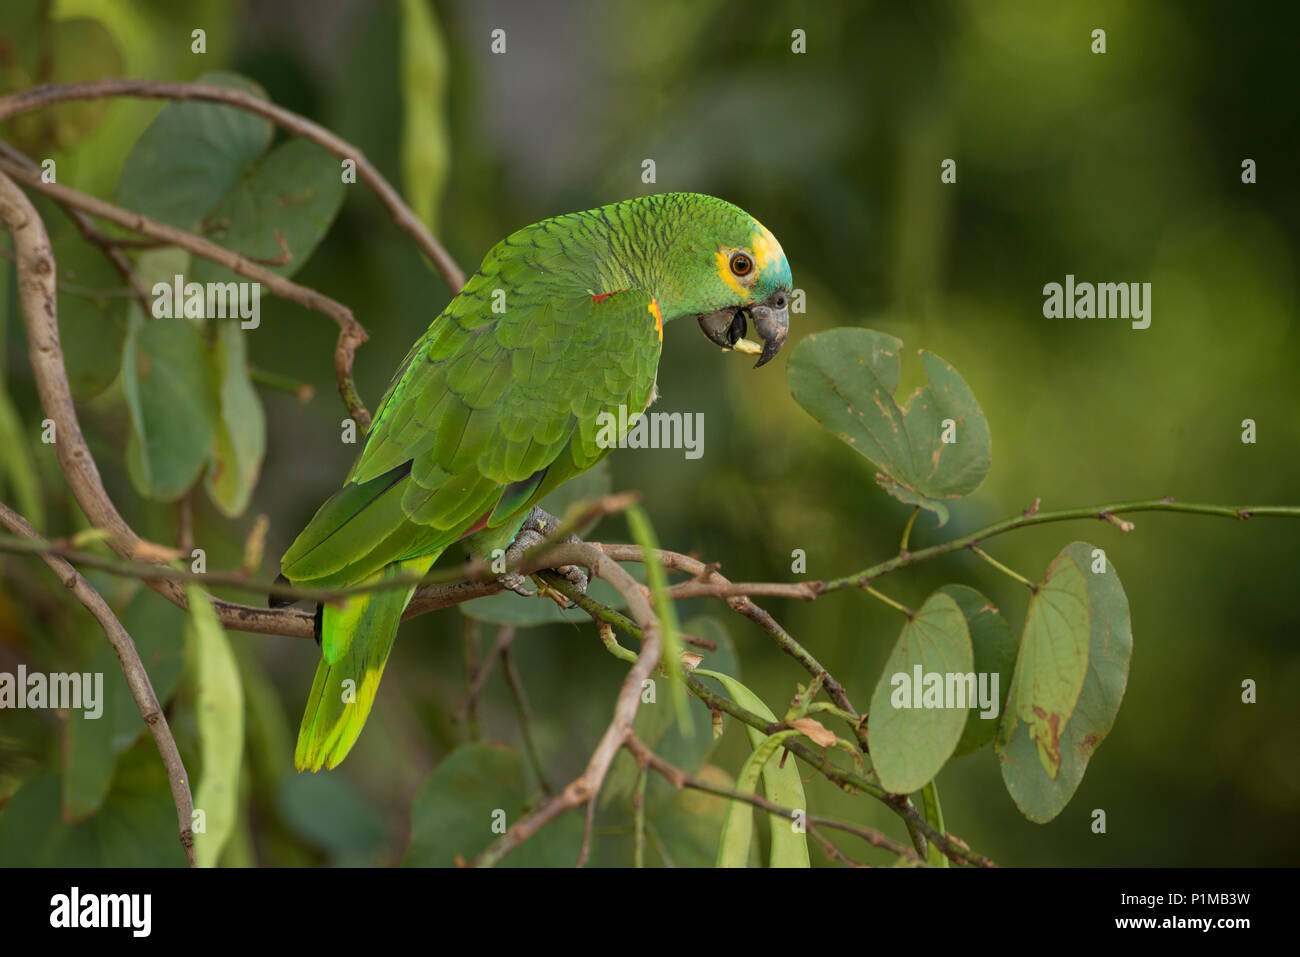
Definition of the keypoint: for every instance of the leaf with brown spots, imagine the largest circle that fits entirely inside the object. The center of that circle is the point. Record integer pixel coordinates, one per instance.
(1041, 795)
(1052, 662)
(846, 380)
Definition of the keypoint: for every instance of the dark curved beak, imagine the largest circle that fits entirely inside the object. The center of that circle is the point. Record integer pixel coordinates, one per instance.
(771, 319)
(772, 323)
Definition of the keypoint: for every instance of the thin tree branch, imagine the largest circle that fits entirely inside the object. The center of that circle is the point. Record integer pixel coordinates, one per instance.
(468, 711)
(708, 575)
(516, 685)
(283, 621)
(137, 678)
(638, 818)
(587, 785)
(89, 232)
(351, 333)
(1032, 516)
(42, 96)
(588, 826)
(680, 779)
(801, 591)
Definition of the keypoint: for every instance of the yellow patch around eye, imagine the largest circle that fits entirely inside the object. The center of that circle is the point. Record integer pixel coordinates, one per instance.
(725, 273)
(659, 319)
(767, 251)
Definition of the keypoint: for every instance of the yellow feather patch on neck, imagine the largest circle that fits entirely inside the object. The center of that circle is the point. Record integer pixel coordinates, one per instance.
(659, 319)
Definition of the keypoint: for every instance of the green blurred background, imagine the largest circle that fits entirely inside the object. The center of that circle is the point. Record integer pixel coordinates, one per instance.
(1122, 167)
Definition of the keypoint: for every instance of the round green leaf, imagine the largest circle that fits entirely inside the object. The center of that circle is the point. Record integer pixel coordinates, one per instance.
(995, 654)
(35, 48)
(290, 196)
(911, 728)
(846, 380)
(1052, 662)
(1039, 796)
(192, 155)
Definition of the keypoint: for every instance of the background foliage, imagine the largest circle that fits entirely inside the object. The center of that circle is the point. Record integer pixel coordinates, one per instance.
(1122, 167)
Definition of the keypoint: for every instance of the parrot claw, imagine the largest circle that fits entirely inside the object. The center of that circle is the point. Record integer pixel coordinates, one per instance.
(518, 584)
(576, 575)
(534, 530)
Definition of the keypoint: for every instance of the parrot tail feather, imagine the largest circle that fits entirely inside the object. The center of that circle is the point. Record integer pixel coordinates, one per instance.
(356, 640)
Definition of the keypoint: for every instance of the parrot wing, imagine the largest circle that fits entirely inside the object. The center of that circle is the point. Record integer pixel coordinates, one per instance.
(485, 417)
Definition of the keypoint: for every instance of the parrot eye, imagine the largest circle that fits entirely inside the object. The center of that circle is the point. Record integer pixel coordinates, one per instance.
(741, 264)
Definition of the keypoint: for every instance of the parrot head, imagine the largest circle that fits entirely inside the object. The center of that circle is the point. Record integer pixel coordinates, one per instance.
(738, 275)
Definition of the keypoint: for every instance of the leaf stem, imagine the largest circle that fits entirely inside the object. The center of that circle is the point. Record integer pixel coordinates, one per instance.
(934, 814)
(525, 713)
(907, 530)
(826, 707)
(897, 606)
(1011, 573)
(304, 391)
(469, 643)
(638, 819)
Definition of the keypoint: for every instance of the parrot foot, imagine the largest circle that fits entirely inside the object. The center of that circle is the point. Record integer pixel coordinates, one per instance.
(518, 584)
(534, 530)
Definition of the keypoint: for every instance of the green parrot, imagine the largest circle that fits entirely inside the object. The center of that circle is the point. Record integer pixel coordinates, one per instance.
(498, 403)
